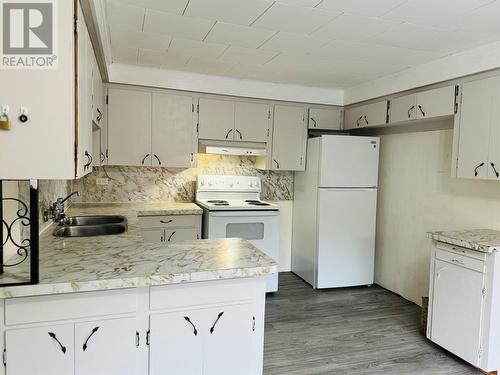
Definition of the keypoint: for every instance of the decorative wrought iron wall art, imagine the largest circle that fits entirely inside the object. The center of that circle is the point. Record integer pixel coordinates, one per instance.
(23, 266)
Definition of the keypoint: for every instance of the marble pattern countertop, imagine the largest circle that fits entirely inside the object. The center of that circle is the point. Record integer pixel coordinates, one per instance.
(483, 240)
(122, 261)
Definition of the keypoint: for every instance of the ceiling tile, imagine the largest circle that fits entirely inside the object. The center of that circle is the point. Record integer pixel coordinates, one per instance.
(354, 28)
(246, 56)
(124, 55)
(162, 59)
(243, 36)
(294, 19)
(171, 6)
(241, 12)
(368, 8)
(187, 47)
(124, 16)
(177, 26)
(137, 39)
(297, 61)
(289, 42)
(209, 66)
(484, 20)
(300, 3)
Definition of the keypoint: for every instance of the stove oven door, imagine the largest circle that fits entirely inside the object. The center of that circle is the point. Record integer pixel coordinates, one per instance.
(261, 228)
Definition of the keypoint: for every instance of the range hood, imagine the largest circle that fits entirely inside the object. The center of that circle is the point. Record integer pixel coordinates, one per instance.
(232, 148)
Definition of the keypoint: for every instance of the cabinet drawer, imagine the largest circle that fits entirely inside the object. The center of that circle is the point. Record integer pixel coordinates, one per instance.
(170, 221)
(461, 251)
(185, 296)
(183, 234)
(460, 260)
(69, 306)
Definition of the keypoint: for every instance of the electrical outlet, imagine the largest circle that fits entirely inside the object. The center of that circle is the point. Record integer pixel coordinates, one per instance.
(102, 181)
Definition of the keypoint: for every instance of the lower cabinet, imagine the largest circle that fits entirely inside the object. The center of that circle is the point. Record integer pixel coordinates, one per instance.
(171, 228)
(45, 350)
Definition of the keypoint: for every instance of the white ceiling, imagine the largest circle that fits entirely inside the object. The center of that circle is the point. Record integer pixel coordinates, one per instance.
(323, 43)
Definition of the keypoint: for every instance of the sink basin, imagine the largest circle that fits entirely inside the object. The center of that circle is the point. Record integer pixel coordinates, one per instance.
(93, 220)
(89, 230)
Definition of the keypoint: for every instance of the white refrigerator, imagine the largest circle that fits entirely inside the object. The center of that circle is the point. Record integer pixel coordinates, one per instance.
(335, 202)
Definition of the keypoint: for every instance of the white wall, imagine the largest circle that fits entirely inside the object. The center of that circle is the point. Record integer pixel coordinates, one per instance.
(417, 195)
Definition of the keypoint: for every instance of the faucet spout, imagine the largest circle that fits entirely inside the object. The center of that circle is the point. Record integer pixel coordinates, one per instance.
(61, 201)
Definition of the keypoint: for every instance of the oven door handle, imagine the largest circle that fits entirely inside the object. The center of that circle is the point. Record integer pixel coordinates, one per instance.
(243, 213)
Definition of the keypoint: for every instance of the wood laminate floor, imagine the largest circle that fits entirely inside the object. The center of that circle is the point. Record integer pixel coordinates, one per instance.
(348, 331)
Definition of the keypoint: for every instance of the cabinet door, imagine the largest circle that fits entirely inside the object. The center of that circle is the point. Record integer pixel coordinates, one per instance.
(129, 127)
(457, 304)
(42, 351)
(289, 138)
(153, 235)
(172, 132)
(176, 343)
(436, 103)
(403, 108)
(475, 120)
(251, 122)
(494, 137)
(84, 139)
(181, 234)
(232, 345)
(96, 147)
(106, 347)
(374, 114)
(216, 119)
(325, 119)
(352, 118)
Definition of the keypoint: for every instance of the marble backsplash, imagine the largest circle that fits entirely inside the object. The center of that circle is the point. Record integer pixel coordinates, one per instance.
(128, 184)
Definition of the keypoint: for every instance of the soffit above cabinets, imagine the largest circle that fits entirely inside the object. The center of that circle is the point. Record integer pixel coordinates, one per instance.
(317, 43)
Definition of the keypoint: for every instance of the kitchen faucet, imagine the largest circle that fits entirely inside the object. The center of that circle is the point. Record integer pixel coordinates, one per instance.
(56, 209)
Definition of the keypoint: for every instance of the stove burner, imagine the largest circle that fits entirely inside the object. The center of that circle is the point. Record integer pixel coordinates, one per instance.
(219, 202)
(259, 204)
(252, 201)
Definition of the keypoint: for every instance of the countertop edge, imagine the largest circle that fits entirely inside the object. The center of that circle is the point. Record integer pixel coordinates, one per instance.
(440, 237)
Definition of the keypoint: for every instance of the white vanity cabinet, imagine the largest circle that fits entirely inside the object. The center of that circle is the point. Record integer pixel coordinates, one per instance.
(463, 304)
(170, 228)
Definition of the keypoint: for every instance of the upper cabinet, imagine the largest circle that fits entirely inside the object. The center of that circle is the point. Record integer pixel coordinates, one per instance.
(477, 130)
(56, 136)
(325, 119)
(149, 128)
(428, 104)
(289, 138)
(225, 120)
(373, 114)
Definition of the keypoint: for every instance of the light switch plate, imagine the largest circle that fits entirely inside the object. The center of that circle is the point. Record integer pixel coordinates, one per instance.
(102, 181)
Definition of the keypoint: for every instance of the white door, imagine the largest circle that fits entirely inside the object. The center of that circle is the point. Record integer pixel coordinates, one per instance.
(325, 119)
(176, 343)
(436, 103)
(374, 114)
(153, 235)
(349, 161)
(346, 237)
(216, 119)
(475, 120)
(251, 122)
(289, 138)
(107, 347)
(403, 108)
(41, 351)
(231, 342)
(129, 127)
(457, 304)
(172, 132)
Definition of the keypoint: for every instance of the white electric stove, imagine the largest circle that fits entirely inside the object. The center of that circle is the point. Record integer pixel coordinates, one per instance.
(232, 208)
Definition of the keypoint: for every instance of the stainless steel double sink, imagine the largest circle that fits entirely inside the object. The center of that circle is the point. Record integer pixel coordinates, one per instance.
(90, 226)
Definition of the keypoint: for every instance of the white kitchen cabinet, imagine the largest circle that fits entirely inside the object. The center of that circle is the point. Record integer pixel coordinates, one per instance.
(368, 115)
(170, 228)
(251, 122)
(463, 306)
(184, 354)
(173, 130)
(289, 138)
(45, 350)
(129, 127)
(477, 149)
(403, 108)
(106, 347)
(325, 119)
(97, 94)
(216, 119)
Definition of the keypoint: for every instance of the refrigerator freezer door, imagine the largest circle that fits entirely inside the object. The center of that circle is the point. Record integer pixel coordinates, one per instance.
(346, 237)
(349, 161)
